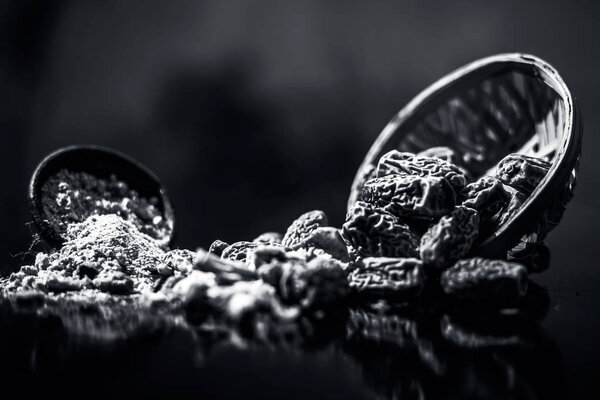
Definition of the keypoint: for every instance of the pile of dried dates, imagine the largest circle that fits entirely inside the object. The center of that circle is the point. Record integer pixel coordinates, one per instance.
(411, 233)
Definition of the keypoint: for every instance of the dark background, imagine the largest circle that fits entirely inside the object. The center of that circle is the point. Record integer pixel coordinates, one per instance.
(254, 112)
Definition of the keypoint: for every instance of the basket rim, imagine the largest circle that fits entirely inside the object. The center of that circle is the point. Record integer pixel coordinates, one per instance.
(566, 152)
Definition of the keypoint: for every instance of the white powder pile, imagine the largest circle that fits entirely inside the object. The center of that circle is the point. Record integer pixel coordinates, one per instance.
(102, 254)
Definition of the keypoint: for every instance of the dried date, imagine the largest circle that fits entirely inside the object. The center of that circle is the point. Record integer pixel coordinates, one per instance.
(382, 277)
(303, 226)
(517, 199)
(374, 232)
(327, 239)
(396, 162)
(450, 238)
(226, 271)
(483, 279)
(266, 254)
(238, 251)
(217, 247)
(410, 196)
(522, 172)
(488, 196)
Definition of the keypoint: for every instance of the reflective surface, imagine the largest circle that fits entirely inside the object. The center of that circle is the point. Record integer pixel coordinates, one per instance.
(421, 351)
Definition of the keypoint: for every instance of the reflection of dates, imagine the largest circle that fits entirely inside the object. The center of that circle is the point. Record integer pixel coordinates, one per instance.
(478, 328)
(450, 238)
(396, 162)
(380, 277)
(303, 226)
(483, 279)
(522, 172)
(378, 326)
(488, 196)
(535, 259)
(410, 196)
(374, 232)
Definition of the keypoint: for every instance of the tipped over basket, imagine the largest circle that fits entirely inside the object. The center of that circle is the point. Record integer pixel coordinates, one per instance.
(483, 111)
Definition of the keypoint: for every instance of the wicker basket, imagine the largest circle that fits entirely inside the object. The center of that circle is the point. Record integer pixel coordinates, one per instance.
(485, 110)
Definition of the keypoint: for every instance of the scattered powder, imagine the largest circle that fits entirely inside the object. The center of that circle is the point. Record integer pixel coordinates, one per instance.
(71, 197)
(105, 254)
(113, 270)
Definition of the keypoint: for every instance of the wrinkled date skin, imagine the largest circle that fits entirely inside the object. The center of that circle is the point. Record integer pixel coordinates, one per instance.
(217, 247)
(450, 238)
(517, 199)
(382, 277)
(410, 196)
(522, 172)
(374, 232)
(396, 162)
(488, 196)
(483, 279)
(238, 251)
(303, 226)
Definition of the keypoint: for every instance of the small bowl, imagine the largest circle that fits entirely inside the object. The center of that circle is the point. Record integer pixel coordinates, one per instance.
(485, 110)
(101, 162)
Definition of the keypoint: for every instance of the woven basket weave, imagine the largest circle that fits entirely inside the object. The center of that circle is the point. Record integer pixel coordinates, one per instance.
(508, 103)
